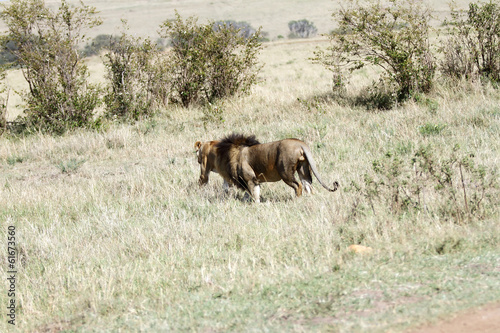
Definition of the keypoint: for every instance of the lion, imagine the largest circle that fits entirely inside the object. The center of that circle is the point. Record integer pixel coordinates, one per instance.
(246, 163)
(211, 161)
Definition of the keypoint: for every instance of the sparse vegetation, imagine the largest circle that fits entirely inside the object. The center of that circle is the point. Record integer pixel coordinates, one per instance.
(450, 188)
(70, 166)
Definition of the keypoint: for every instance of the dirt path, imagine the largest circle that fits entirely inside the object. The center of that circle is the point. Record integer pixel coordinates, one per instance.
(485, 320)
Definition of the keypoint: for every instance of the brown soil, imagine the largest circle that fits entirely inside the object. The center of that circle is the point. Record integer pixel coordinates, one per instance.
(485, 320)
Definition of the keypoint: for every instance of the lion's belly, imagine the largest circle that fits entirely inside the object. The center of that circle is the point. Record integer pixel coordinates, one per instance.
(269, 176)
(263, 161)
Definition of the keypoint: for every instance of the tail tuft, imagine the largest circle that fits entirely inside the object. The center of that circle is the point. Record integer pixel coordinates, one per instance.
(335, 186)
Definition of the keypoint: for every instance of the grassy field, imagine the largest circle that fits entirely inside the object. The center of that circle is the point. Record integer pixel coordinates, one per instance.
(114, 233)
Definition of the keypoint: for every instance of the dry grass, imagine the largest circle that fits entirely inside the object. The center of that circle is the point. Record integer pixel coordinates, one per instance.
(115, 234)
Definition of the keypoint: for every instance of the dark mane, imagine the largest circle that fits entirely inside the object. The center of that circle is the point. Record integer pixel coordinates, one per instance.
(240, 140)
(232, 142)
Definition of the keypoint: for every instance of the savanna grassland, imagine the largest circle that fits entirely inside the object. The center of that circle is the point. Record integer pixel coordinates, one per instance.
(114, 233)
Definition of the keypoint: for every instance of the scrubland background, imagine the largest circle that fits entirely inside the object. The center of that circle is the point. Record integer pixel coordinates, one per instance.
(114, 233)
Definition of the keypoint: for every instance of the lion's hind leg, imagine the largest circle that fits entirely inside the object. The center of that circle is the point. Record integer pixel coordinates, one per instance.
(305, 176)
(288, 177)
(250, 181)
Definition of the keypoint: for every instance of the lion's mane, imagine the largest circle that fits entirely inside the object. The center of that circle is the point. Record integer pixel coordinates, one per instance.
(228, 150)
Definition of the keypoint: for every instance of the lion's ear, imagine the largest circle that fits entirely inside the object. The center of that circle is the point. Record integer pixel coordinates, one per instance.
(197, 145)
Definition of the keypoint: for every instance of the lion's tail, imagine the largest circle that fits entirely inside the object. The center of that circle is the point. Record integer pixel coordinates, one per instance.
(314, 169)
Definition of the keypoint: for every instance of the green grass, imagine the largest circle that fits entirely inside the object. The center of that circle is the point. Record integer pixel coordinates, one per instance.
(128, 241)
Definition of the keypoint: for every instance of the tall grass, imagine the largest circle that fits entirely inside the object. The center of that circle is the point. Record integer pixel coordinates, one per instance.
(128, 241)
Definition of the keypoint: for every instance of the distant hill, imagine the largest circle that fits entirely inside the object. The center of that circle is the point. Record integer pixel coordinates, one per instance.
(144, 16)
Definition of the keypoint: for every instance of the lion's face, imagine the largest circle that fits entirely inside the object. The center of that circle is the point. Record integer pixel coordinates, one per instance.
(204, 155)
(198, 146)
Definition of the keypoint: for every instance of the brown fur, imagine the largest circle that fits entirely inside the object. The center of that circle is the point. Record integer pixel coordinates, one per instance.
(247, 166)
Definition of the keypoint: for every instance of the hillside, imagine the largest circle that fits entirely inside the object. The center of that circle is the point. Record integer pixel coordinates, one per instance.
(145, 16)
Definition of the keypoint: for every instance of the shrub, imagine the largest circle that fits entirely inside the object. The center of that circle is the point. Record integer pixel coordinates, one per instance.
(393, 36)
(70, 166)
(59, 97)
(208, 64)
(473, 47)
(378, 96)
(302, 29)
(137, 78)
(429, 129)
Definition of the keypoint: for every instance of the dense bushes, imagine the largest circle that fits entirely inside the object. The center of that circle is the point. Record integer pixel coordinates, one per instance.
(205, 63)
(244, 29)
(212, 61)
(98, 44)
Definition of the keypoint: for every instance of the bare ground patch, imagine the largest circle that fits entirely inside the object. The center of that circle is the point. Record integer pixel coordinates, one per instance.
(485, 320)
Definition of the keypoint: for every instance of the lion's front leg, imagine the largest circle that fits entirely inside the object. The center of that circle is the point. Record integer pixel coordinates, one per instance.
(202, 181)
(226, 186)
(253, 185)
(254, 189)
(204, 175)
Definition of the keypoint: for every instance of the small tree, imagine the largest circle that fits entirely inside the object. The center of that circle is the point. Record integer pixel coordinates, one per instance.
(473, 46)
(137, 78)
(59, 96)
(209, 61)
(302, 29)
(392, 35)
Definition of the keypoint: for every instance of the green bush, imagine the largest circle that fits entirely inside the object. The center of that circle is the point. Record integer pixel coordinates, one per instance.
(137, 76)
(393, 36)
(59, 97)
(209, 63)
(472, 49)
